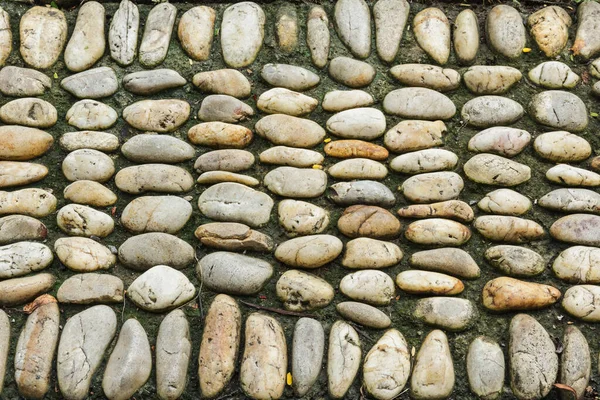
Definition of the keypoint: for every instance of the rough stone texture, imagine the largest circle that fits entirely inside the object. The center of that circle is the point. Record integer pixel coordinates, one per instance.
(123, 33)
(173, 351)
(432, 32)
(42, 33)
(387, 366)
(91, 288)
(161, 288)
(242, 33)
(353, 24)
(485, 368)
(195, 31)
(343, 358)
(144, 251)
(233, 273)
(433, 371)
(157, 34)
(307, 354)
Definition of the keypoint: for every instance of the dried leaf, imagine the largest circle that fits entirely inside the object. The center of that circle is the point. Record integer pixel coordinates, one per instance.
(567, 388)
(38, 302)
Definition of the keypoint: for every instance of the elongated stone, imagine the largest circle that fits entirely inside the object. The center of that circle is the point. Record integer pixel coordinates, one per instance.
(390, 17)
(213, 177)
(16, 228)
(554, 75)
(144, 251)
(23, 82)
(42, 34)
(6, 44)
(90, 193)
(19, 143)
(419, 103)
(21, 290)
(509, 294)
(343, 358)
(549, 27)
(223, 81)
(562, 146)
(414, 135)
(428, 76)
(123, 33)
(353, 24)
(285, 101)
(466, 36)
(433, 371)
(161, 178)
(157, 149)
(289, 76)
(32, 112)
(575, 361)
(451, 313)
(92, 84)
(358, 123)
(485, 368)
(356, 148)
(487, 111)
(371, 253)
(370, 286)
(157, 34)
(233, 273)
(582, 229)
(363, 314)
(438, 231)
(505, 31)
(80, 220)
(429, 283)
(196, 30)
(287, 130)
(453, 209)
(432, 32)
(296, 182)
(286, 28)
(311, 251)
(88, 42)
(361, 192)
(154, 81)
(31, 202)
(572, 201)
(428, 160)
(91, 288)
(300, 291)
(4, 345)
(490, 169)
(92, 115)
(448, 260)
(568, 175)
(432, 187)
(500, 140)
(387, 366)
(101, 141)
(559, 109)
(578, 264)
(340, 100)
(83, 254)
(221, 135)
(157, 115)
(242, 33)
(233, 237)
(317, 36)
(166, 214)
(291, 157)
(173, 351)
(515, 260)
(15, 173)
(22, 258)
(587, 43)
(358, 168)
(508, 229)
(491, 79)
(307, 354)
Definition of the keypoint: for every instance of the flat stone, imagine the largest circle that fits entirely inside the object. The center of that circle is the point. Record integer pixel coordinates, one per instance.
(361, 192)
(437, 231)
(432, 32)
(195, 32)
(223, 81)
(101, 141)
(358, 123)
(286, 28)
(31, 202)
(89, 193)
(387, 366)
(433, 370)
(130, 363)
(144, 251)
(296, 182)
(508, 229)
(157, 34)
(317, 36)
(560, 110)
(232, 236)
(16, 173)
(88, 42)
(157, 115)
(501, 140)
(466, 36)
(167, 214)
(343, 358)
(580, 229)
(447, 260)
(509, 294)
(532, 359)
(428, 283)
(17, 291)
(350, 72)
(224, 160)
(487, 111)
(154, 81)
(428, 76)
(91, 288)
(300, 291)
(562, 146)
(308, 348)
(83, 343)
(92, 115)
(173, 350)
(123, 33)
(16, 228)
(92, 84)
(418, 103)
(515, 260)
(485, 368)
(311, 251)
(575, 361)
(340, 100)
(42, 35)
(451, 313)
(414, 135)
(432, 186)
(29, 111)
(353, 25)
(353, 148)
(572, 176)
(83, 255)
(358, 168)
(549, 27)
(160, 178)
(582, 301)
(233, 273)
(161, 288)
(578, 264)
(242, 33)
(214, 177)
(220, 345)
(148, 148)
(80, 220)
(291, 157)
(369, 221)
(224, 108)
(291, 131)
(587, 42)
(23, 82)
(285, 101)
(264, 362)
(289, 76)
(371, 253)
(21, 258)
(491, 169)
(571, 201)
(89, 165)
(428, 160)
(505, 31)
(4, 345)
(453, 209)
(554, 75)
(369, 286)
(390, 17)
(363, 314)
(299, 218)
(221, 135)
(491, 79)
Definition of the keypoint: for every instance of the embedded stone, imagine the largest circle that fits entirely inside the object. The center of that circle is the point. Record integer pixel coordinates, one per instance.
(571, 201)
(352, 148)
(369, 221)
(242, 33)
(437, 231)
(166, 214)
(432, 32)
(92, 115)
(21, 258)
(91, 288)
(87, 43)
(173, 351)
(371, 253)
(353, 24)
(487, 111)
(161, 288)
(289, 76)
(350, 72)
(428, 283)
(451, 313)
(89, 193)
(157, 115)
(580, 229)
(418, 103)
(6, 44)
(233, 273)
(220, 135)
(491, 79)
(92, 84)
(549, 27)
(575, 361)
(453, 209)
(578, 264)
(15, 173)
(308, 348)
(89, 165)
(154, 81)
(432, 187)
(147, 148)
(160, 178)
(83, 255)
(433, 371)
(232, 236)
(286, 28)
(214, 177)
(509, 294)
(508, 229)
(390, 17)
(29, 111)
(343, 358)
(317, 36)
(369, 286)
(291, 157)
(428, 76)
(291, 131)
(554, 75)
(358, 168)
(485, 368)
(17, 228)
(562, 146)
(572, 176)
(144, 251)
(491, 169)
(224, 160)
(296, 182)
(23, 82)
(4, 345)
(363, 314)
(223, 108)
(285, 101)
(311, 251)
(505, 202)
(357, 123)
(505, 31)
(414, 135)
(501, 140)
(466, 36)
(447, 260)
(560, 110)
(157, 34)
(223, 81)
(340, 100)
(301, 218)
(32, 202)
(583, 302)
(428, 160)
(19, 143)
(17, 291)
(123, 33)
(80, 220)
(515, 260)
(195, 32)
(300, 291)
(587, 42)
(101, 141)
(361, 192)
(42, 34)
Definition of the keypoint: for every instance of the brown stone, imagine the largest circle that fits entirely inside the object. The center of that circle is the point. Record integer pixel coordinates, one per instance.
(19, 143)
(368, 221)
(220, 135)
(453, 209)
(509, 294)
(356, 148)
(233, 236)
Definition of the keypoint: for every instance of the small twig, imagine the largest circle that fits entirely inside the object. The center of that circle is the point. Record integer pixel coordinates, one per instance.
(123, 310)
(277, 310)
(228, 395)
(360, 331)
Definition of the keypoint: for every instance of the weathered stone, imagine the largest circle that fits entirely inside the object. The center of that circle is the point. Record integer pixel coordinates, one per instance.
(16, 228)
(509, 294)
(356, 148)
(296, 182)
(83, 254)
(23, 82)
(290, 156)
(357, 123)
(572, 176)
(575, 361)
(466, 36)
(157, 34)
(317, 36)
(91, 114)
(358, 168)
(427, 282)
(21, 290)
(433, 186)
(4, 345)
(161, 288)
(428, 76)
(428, 160)
(89, 165)
(221, 135)
(553, 75)
(101, 141)
(491, 79)
(19, 143)
(438, 231)
(562, 146)
(223, 81)
(285, 101)
(343, 358)
(157, 149)
(501, 140)
(301, 218)
(93, 84)
(29, 111)
(291, 131)
(560, 110)
(157, 115)
(580, 229)
(433, 370)
(15, 173)
(549, 27)
(363, 314)
(166, 214)
(91, 288)
(587, 42)
(89, 193)
(505, 31)
(232, 236)
(22, 258)
(195, 31)
(505, 202)
(32, 202)
(515, 260)
(432, 32)
(487, 111)
(369, 221)
(42, 34)
(289, 76)
(214, 177)
(242, 33)
(371, 253)
(508, 229)
(307, 354)
(154, 81)
(448, 260)
(571, 201)
(350, 72)
(418, 103)
(6, 44)
(340, 100)
(224, 108)
(453, 209)
(300, 291)
(144, 251)
(583, 302)
(309, 251)
(369, 286)
(173, 351)
(286, 28)
(450, 313)
(578, 264)
(233, 273)
(390, 17)
(87, 43)
(485, 368)
(160, 178)
(361, 192)
(353, 24)
(414, 135)
(491, 169)
(80, 220)
(123, 33)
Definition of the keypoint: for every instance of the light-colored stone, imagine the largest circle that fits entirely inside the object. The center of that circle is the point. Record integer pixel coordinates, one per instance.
(587, 42)
(500, 140)
(575, 361)
(123, 33)
(515, 260)
(549, 27)
(6, 44)
(32, 202)
(554, 75)
(369, 286)
(4, 345)
(153, 81)
(485, 368)
(428, 160)
(560, 110)
(157, 149)
(16, 228)
(89, 193)
(285, 101)
(505, 31)
(578, 264)
(390, 17)
(101, 141)
(23, 82)
(91, 288)
(233, 273)
(432, 32)
(508, 229)
(418, 103)
(42, 34)
(157, 34)
(80, 220)
(352, 148)
(166, 214)
(224, 108)
(21, 258)
(287, 130)
(300, 218)
(358, 168)
(92, 115)
(466, 36)
(223, 81)
(242, 33)
(363, 314)
(453, 209)
(505, 202)
(583, 302)
(371, 253)
(491, 79)
(296, 182)
(29, 111)
(368, 221)
(290, 156)
(307, 354)
(343, 358)
(144, 251)
(89, 165)
(340, 100)
(311, 251)
(87, 43)
(300, 291)
(232, 236)
(19, 143)
(428, 76)
(160, 178)
(491, 169)
(83, 255)
(93, 84)
(358, 123)
(195, 32)
(451, 313)
(214, 177)
(437, 231)
(161, 288)
(353, 24)
(157, 115)
(568, 175)
(561, 146)
(571, 201)
(289, 76)
(317, 36)
(433, 370)
(509, 294)
(21, 290)
(447, 260)
(350, 72)
(412, 135)
(16, 173)
(221, 135)
(173, 352)
(580, 229)
(432, 187)
(428, 283)
(361, 192)
(487, 111)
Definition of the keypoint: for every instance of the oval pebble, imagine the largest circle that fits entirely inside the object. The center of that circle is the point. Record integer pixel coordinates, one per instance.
(144, 251)
(16, 228)
(20, 143)
(223, 81)
(300, 291)
(154, 81)
(167, 214)
(83, 255)
(242, 33)
(428, 160)
(174, 348)
(91, 288)
(572, 176)
(357, 123)
(352, 73)
(466, 36)
(515, 260)
(233, 273)
(287, 130)
(432, 32)
(195, 31)
(428, 283)
(371, 253)
(485, 368)
(578, 264)
(17, 291)
(87, 42)
(29, 111)
(419, 103)
(370, 286)
(487, 111)
(583, 302)
(437, 231)
(89, 165)
(92, 115)
(451, 313)
(101, 141)
(560, 110)
(42, 36)
(491, 79)
(577, 228)
(80, 220)
(89, 193)
(220, 135)
(505, 31)
(311, 251)
(508, 229)
(157, 149)
(491, 169)
(343, 358)
(296, 182)
(160, 288)
(361, 192)
(291, 157)
(571, 201)
(505, 202)
(358, 168)
(232, 236)
(21, 258)
(299, 218)
(509, 294)
(160, 178)
(123, 33)
(500, 140)
(363, 314)
(562, 146)
(92, 84)
(32, 202)
(433, 371)
(289, 76)
(308, 348)
(285, 101)
(157, 115)
(554, 75)
(231, 160)
(433, 186)
(15, 173)
(447, 260)
(428, 76)
(340, 100)
(414, 135)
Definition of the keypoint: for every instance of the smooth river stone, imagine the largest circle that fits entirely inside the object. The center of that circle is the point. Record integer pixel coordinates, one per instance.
(353, 148)
(296, 182)
(231, 160)
(157, 115)
(23, 82)
(232, 236)
(340, 100)
(358, 168)
(287, 130)
(223, 81)
(34, 354)
(466, 36)
(587, 42)
(549, 27)
(299, 218)
(582, 229)
(29, 111)
(561, 146)
(432, 187)
(290, 156)
(387, 366)
(311, 251)
(101, 141)
(369, 286)
(161, 288)
(429, 283)
(233, 273)
(500, 140)
(160, 178)
(371, 253)
(532, 358)
(572, 176)
(83, 342)
(357, 123)
(6, 44)
(154, 81)
(487, 111)
(92, 84)
(317, 36)
(130, 363)
(16, 228)
(308, 347)
(80, 220)
(390, 17)
(485, 368)
(363, 314)
(515, 260)
(92, 115)
(491, 79)
(144, 251)
(234, 202)
(15, 173)
(91, 288)
(428, 160)
(214, 177)
(42, 34)
(353, 24)
(433, 370)
(87, 43)
(583, 302)
(505, 31)
(343, 358)
(123, 33)
(32, 202)
(508, 229)
(221, 135)
(173, 351)
(83, 255)
(438, 231)
(571, 201)
(369, 221)
(300, 291)
(4, 345)
(148, 148)
(195, 32)
(447, 260)
(242, 33)
(432, 32)
(22, 258)
(166, 214)
(453, 209)
(219, 346)
(157, 34)
(575, 361)
(560, 110)
(289, 76)
(451, 313)
(286, 28)
(428, 76)
(89, 165)
(17, 291)
(418, 103)
(578, 264)
(491, 169)
(350, 72)
(19, 143)
(554, 75)
(89, 193)
(285, 101)
(224, 108)
(509, 294)
(414, 135)
(361, 192)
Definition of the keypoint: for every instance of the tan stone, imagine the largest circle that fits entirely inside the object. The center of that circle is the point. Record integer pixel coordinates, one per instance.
(509, 294)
